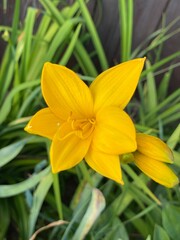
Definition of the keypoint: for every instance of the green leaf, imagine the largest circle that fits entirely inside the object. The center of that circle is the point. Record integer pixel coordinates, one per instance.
(96, 206)
(169, 100)
(90, 204)
(160, 233)
(140, 224)
(6, 73)
(64, 60)
(9, 152)
(61, 35)
(4, 217)
(94, 35)
(171, 220)
(25, 106)
(151, 89)
(163, 87)
(15, 21)
(148, 237)
(174, 138)
(28, 34)
(38, 199)
(14, 189)
(51, 8)
(20, 214)
(161, 63)
(6, 107)
(80, 52)
(117, 231)
(126, 27)
(84, 59)
(140, 184)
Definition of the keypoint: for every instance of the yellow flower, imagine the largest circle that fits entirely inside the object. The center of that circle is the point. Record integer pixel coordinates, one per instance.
(151, 156)
(87, 122)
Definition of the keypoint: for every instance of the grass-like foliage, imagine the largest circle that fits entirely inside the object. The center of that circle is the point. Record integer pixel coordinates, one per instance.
(79, 203)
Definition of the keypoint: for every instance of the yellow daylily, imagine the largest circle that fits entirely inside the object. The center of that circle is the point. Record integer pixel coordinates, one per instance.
(150, 158)
(87, 122)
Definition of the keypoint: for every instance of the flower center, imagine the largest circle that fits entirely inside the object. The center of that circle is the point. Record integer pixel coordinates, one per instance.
(83, 128)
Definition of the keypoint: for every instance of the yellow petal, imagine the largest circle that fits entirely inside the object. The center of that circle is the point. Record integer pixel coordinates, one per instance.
(156, 170)
(115, 86)
(65, 93)
(105, 164)
(43, 123)
(114, 132)
(153, 147)
(67, 152)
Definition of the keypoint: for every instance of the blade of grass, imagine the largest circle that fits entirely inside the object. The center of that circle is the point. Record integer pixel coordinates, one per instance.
(38, 199)
(161, 63)
(5, 215)
(53, 11)
(160, 233)
(140, 225)
(123, 29)
(6, 107)
(69, 51)
(84, 60)
(172, 98)
(21, 215)
(57, 193)
(140, 183)
(163, 87)
(80, 52)
(9, 152)
(96, 206)
(142, 213)
(151, 89)
(7, 65)
(129, 27)
(40, 49)
(120, 203)
(158, 38)
(56, 187)
(85, 173)
(174, 139)
(6, 73)
(126, 28)
(28, 33)
(94, 35)
(15, 22)
(171, 114)
(14, 189)
(61, 35)
(70, 11)
(24, 108)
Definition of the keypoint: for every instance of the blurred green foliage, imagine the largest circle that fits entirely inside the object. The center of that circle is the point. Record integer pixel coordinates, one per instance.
(30, 196)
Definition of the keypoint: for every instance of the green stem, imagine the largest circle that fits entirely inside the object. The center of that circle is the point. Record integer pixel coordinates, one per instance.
(126, 28)
(123, 28)
(85, 172)
(57, 193)
(129, 28)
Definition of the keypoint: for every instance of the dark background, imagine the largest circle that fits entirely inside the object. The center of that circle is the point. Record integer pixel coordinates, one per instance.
(147, 19)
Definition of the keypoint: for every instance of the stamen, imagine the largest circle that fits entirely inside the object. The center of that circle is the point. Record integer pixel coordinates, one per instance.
(72, 124)
(82, 127)
(67, 135)
(92, 121)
